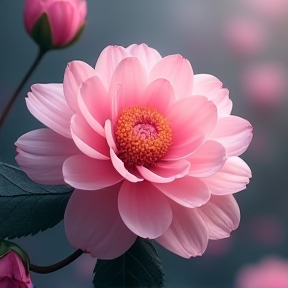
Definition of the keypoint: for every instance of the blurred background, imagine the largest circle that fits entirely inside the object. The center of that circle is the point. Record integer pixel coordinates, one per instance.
(242, 42)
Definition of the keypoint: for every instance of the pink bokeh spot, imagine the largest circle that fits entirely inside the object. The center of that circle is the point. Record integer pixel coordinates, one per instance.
(269, 272)
(265, 84)
(141, 162)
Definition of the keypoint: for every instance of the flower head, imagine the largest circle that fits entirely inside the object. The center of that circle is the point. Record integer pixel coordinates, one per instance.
(151, 149)
(54, 23)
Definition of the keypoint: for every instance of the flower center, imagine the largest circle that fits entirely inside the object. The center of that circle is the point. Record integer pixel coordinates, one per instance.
(143, 136)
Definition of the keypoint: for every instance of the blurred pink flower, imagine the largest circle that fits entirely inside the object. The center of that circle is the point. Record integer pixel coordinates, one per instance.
(66, 19)
(219, 248)
(265, 84)
(269, 9)
(84, 266)
(244, 36)
(13, 273)
(269, 273)
(151, 149)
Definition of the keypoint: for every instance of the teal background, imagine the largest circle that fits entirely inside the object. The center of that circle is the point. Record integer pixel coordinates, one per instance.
(191, 28)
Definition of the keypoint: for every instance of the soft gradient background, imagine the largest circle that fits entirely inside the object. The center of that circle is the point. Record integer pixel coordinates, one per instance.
(245, 44)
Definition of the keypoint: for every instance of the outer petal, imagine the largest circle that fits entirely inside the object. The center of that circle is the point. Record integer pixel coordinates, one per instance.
(221, 214)
(46, 102)
(234, 133)
(160, 95)
(133, 79)
(144, 209)
(76, 73)
(178, 71)
(107, 62)
(41, 154)
(85, 173)
(187, 191)
(32, 11)
(94, 103)
(207, 160)
(211, 87)
(93, 224)
(187, 235)
(192, 120)
(165, 172)
(232, 177)
(148, 56)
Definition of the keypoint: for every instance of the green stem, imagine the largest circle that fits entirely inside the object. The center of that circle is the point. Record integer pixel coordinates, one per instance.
(57, 266)
(40, 55)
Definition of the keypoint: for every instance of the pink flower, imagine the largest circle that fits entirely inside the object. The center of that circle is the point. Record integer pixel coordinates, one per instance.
(270, 272)
(66, 18)
(151, 149)
(13, 273)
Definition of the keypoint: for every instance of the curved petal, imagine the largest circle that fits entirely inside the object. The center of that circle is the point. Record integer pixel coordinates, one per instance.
(87, 140)
(133, 79)
(75, 74)
(165, 172)
(32, 11)
(147, 55)
(206, 85)
(119, 166)
(94, 103)
(86, 173)
(41, 154)
(190, 126)
(46, 102)
(221, 214)
(187, 235)
(93, 224)
(234, 133)
(178, 71)
(223, 103)
(144, 209)
(160, 95)
(231, 178)
(109, 136)
(107, 62)
(207, 160)
(187, 191)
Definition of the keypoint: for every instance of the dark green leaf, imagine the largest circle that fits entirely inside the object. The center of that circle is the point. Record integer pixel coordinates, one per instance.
(140, 266)
(26, 207)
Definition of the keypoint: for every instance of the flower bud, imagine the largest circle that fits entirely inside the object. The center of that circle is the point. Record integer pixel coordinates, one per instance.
(14, 266)
(54, 23)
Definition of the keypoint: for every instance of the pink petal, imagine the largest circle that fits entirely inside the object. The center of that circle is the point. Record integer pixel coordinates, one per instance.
(144, 209)
(190, 126)
(86, 173)
(187, 191)
(133, 79)
(221, 214)
(87, 140)
(148, 56)
(93, 224)
(165, 172)
(107, 62)
(187, 235)
(232, 177)
(234, 133)
(178, 71)
(62, 22)
(92, 93)
(206, 85)
(32, 11)
(41, 154)
(119, 166)
(109, 136)
(160, 95)
(207, 160)
(222, 102)
(76, 73)
(46, 102)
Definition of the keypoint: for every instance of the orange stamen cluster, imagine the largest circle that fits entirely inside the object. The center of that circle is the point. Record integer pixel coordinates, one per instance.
(143, 136)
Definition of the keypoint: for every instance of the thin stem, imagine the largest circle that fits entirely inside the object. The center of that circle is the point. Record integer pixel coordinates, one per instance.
(40, 55)
(57, 266)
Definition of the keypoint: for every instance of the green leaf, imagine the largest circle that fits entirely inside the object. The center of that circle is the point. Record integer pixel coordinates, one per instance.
(140, 266)
(26, 207)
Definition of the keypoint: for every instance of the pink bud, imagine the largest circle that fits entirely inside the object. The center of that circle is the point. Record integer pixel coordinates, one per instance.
(54, 23)
(13, 273)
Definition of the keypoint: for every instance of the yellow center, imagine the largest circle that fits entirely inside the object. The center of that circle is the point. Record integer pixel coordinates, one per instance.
(143, 136)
